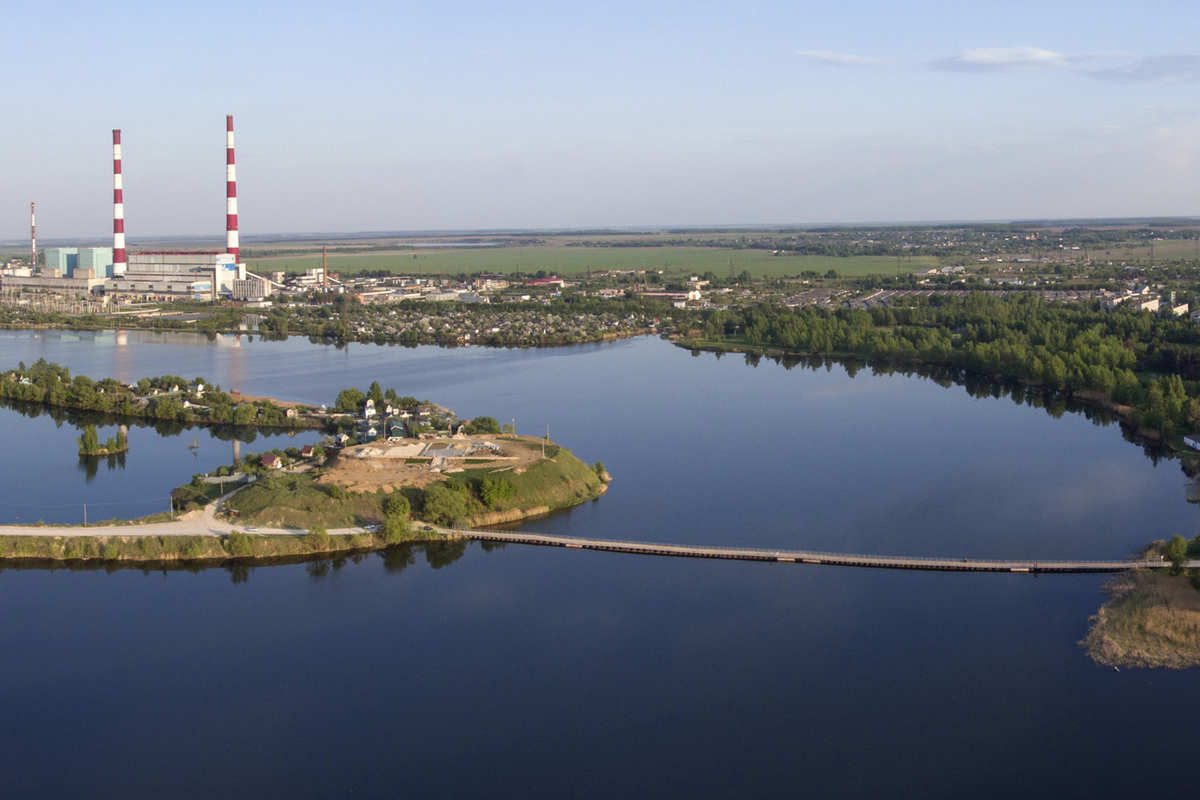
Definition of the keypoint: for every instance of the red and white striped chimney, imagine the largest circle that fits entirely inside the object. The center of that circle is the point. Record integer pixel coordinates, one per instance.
(231, 229)
(32, 238)
(118, 210)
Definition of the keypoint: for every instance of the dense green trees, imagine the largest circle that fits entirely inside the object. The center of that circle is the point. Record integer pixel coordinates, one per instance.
(445, 503)
(166, 397)
(350, 401)
(1134, 357)
(482, 425)
(89, 443)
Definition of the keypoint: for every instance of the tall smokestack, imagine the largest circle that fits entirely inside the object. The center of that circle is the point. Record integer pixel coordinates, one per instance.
(118, 210)
(32, 238)
(231, 229)
(324, 270)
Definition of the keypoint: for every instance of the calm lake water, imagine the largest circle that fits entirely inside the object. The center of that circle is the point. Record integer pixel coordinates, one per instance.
(524, 671)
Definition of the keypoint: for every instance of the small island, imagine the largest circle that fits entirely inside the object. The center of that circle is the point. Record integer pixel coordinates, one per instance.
(90, 447)
(1151, 619)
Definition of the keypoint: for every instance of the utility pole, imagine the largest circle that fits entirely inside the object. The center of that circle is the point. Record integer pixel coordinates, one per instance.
(85, 515)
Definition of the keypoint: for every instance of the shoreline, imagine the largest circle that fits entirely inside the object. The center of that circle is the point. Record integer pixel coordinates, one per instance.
(608, 336)
(1148, 621)
(200, 536)
(1087, 397)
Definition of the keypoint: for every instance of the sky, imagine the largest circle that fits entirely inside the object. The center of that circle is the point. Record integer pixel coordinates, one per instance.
(372, 116)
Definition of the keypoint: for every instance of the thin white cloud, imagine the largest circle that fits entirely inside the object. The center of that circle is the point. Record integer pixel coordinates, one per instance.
(844, 59)
(1167, 68)
(1007, 59)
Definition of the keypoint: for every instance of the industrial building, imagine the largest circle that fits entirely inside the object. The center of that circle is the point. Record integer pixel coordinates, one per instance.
(198, 276)
(251, 287)
(97, 259)
(146, 276)
(64, 262)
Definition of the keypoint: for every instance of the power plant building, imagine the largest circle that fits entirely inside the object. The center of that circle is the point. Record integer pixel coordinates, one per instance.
(61, 261)
(66, 262)
(198, 276)
(97, 259)
(166, 275)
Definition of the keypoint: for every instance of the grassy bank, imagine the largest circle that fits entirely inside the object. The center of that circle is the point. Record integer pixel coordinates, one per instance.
(144, 549)
(1150, 620)
(561, 481)
(296, 501)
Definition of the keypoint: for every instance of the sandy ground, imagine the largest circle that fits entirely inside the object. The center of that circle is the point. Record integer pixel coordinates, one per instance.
(366, 468)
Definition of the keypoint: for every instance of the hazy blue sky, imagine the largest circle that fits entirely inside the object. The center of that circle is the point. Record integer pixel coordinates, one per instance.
(359, 116)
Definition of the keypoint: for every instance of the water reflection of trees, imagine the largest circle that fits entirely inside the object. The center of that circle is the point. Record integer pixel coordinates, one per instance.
(90, 465)
(166, 428)
(1053, 402)
(438, 554)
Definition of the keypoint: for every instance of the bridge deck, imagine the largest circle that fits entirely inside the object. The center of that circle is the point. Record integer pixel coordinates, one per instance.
(808, 556)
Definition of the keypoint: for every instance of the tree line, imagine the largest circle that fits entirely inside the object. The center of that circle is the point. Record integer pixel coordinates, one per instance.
(1133, 358)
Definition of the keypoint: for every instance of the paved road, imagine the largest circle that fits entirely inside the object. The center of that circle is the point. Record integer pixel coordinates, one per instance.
(195, 523)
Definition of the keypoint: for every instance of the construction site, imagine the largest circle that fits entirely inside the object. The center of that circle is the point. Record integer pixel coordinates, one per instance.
(410, 462)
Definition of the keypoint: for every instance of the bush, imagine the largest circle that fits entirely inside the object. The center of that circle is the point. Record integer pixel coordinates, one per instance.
(444, 505)
(1176, 551)
(396, 506)
(395, 522)
(317, 538)
(492, 491)
(396, 530)
(239, 544)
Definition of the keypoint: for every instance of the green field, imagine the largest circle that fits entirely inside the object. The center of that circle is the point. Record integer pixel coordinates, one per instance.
(578, 260)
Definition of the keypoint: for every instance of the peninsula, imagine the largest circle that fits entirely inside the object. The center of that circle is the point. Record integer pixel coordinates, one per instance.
(389, 469)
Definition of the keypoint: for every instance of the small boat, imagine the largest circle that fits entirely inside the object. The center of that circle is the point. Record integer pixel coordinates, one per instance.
(194, 445)
(1116, 669)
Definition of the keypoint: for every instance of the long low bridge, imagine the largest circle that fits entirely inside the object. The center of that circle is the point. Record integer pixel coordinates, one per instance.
(809, 556)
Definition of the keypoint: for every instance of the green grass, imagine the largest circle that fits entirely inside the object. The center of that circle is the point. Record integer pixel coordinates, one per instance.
(558, 483)
(296, 501)
(188, 496)
(578, 260)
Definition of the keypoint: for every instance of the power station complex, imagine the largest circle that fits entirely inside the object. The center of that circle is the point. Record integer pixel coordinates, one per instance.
(112, 273)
